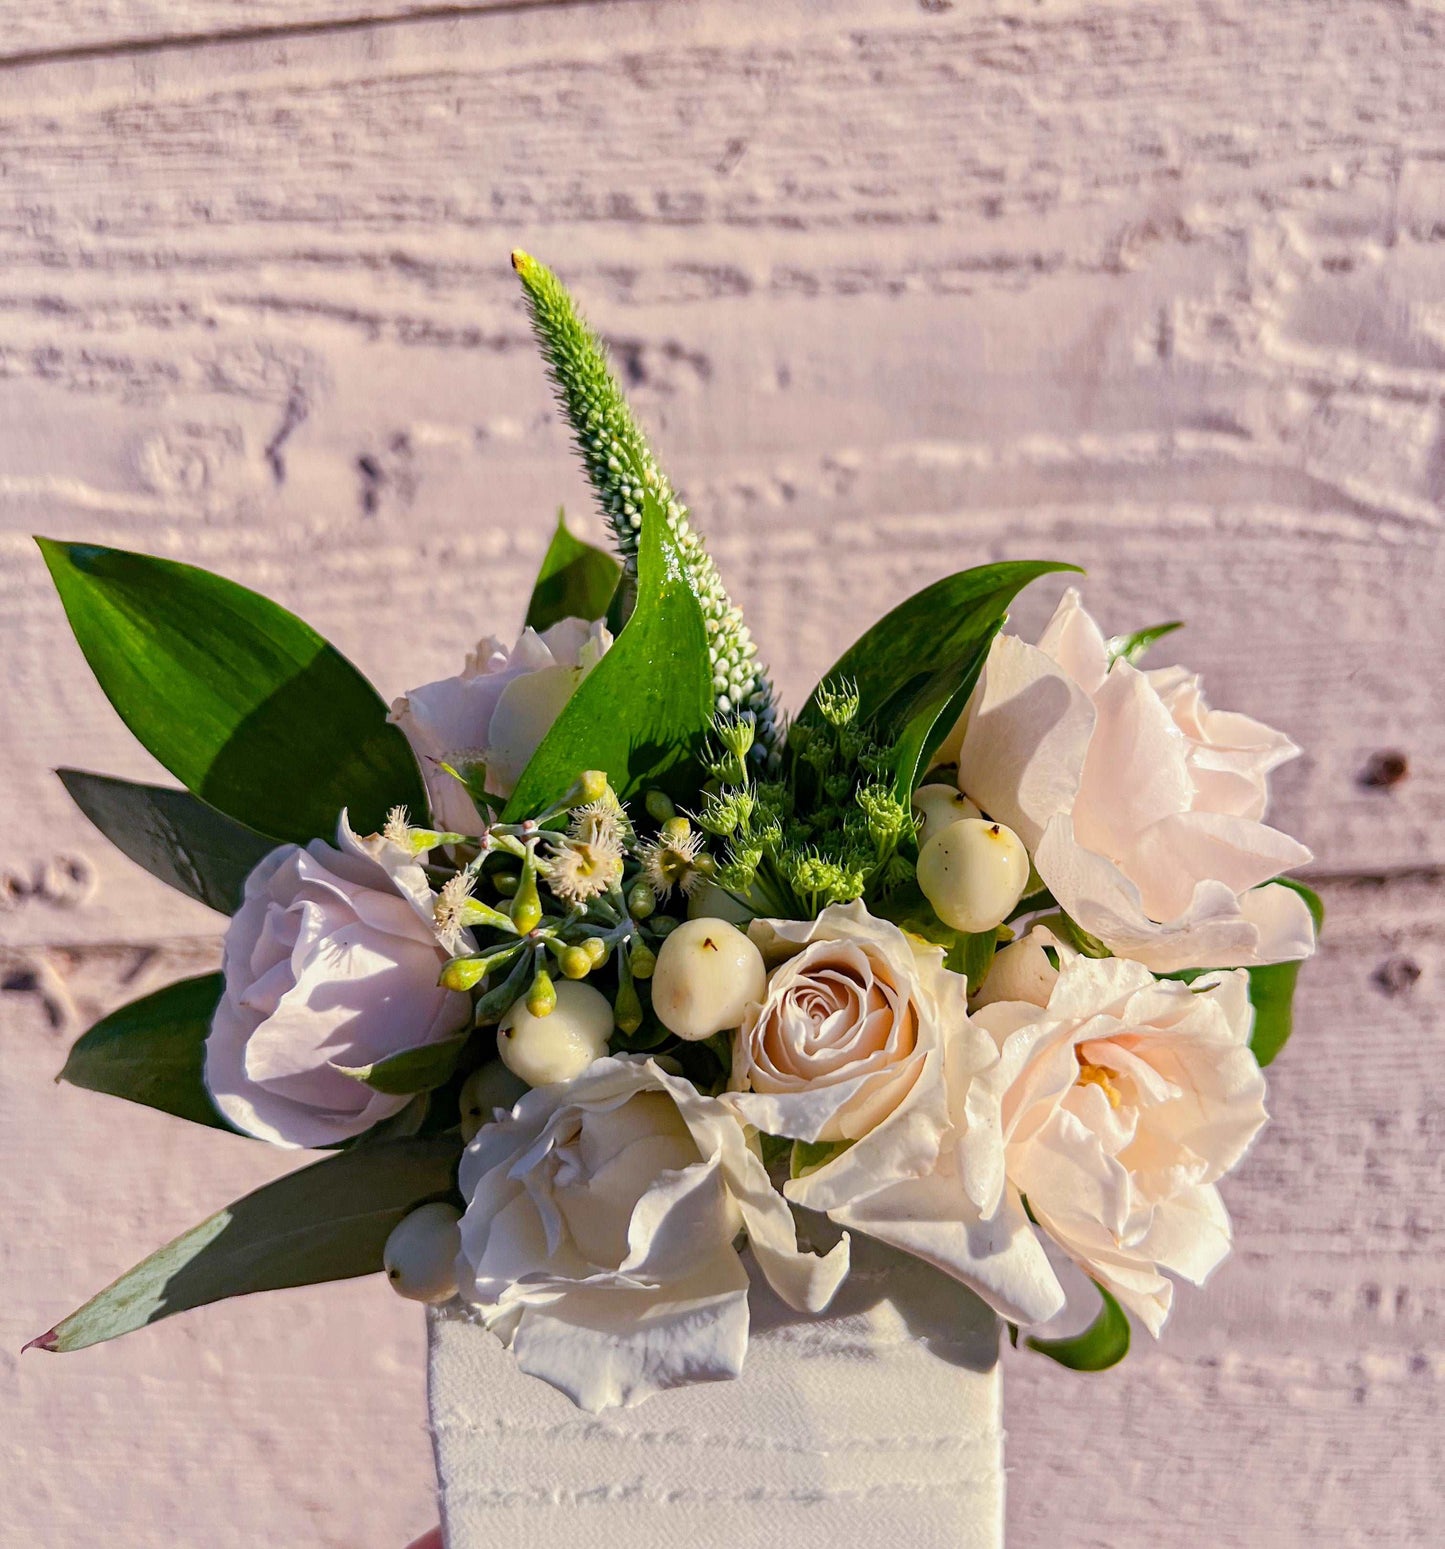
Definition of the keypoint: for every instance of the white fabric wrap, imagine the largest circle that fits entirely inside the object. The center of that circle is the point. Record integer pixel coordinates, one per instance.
(878, 1423)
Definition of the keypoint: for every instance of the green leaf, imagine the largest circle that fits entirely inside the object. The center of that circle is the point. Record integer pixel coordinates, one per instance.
(1130, 648)
(644, 710)
(420, 1069)
(329, 1221)
(576, 581)
(248, 707)
(153, 1051)
(915, 669)
(173, 834)
(1271, 989)
(809, 1155)
(966, 954)
(1103, 1344)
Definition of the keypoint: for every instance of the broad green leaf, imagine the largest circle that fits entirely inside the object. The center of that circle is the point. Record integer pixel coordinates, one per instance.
(173, 834)
(916, 667)
(1271, 989)
(248, 707)
(808, 1156)
(328, 1221)
(1103, 1344)
(576, 581)
(1130, 648)
(644, 710)
(966, 954)
(153, 1051)
(412, 1070)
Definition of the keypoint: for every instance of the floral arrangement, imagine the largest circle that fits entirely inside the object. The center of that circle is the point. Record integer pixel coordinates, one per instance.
(605, 986)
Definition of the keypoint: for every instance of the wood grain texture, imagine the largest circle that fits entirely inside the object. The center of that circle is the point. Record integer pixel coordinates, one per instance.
(898, 286)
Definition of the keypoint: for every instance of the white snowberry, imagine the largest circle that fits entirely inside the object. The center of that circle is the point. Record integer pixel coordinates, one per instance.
(489, 1087)
(560, 1045)
(708, 973)
(938, 806)
(420, 1256)
(973, 873)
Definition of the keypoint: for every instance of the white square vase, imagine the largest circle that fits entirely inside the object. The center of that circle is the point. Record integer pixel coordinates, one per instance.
(878, 1424)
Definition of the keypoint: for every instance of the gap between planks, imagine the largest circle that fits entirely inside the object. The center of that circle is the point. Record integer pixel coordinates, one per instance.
(179, 42)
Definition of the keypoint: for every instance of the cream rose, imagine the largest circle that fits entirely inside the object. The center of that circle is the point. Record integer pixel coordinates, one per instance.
(330, 962)
(495, 713)
(1113, 1108)
(847, 1046)
(1140, 806)
(599, 1236)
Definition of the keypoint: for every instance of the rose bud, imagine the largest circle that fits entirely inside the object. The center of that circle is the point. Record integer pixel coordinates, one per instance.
(560, 1045)
(938, 806)
(708, 973)
(421, 1254)
(973, 873)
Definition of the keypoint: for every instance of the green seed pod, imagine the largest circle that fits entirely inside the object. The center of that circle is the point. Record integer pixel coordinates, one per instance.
(641, 900)
(542, 997)
(642, 960)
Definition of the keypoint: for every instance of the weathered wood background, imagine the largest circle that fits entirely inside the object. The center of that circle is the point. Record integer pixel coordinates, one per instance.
(900, 285)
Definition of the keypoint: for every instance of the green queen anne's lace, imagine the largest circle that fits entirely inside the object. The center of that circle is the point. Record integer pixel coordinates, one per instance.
(621, 467)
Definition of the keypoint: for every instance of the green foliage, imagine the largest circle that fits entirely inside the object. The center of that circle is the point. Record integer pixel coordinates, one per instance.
(623, 470)
(153, 1051)
(247, 706)
(642, 712)
(1103, 1344)
(914, 670)
(173, 834)
(329, 1221)
(969, 954)
(576, 581)
(421, 1069)
(1131, 648)
(1271, 989)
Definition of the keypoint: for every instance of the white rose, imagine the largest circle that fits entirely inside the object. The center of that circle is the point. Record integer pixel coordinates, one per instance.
(847, 1046)
(495, 713)
(1113, 1109)
(330, 962)
(598, 1240)
(1141, 807)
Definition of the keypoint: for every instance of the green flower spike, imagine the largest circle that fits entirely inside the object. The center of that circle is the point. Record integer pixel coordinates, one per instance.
(621, 467)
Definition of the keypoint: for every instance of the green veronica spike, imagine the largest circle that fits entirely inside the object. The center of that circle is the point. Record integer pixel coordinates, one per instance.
(621, 467)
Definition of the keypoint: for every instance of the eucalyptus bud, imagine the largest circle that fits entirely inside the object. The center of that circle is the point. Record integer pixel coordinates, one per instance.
(642, 960)
(574, 962)
(542, 997)
(627, 1009)
(641, 900)
(596, 949)
(527, 905)
(591, 786)
(659, 806)
(506, 883)
(464, 973)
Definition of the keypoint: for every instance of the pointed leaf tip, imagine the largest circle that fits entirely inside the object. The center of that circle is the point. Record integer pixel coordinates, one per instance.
(45, 1341)
(521, 261)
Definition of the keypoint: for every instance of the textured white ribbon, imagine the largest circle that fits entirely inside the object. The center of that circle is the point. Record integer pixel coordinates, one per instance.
(878, 1425)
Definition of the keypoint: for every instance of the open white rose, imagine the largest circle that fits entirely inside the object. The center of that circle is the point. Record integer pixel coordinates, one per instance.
(598, 1240)
(848, 1046)
(1113, 1109)
(331, 961)
(495, 713)
(1140, 806)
